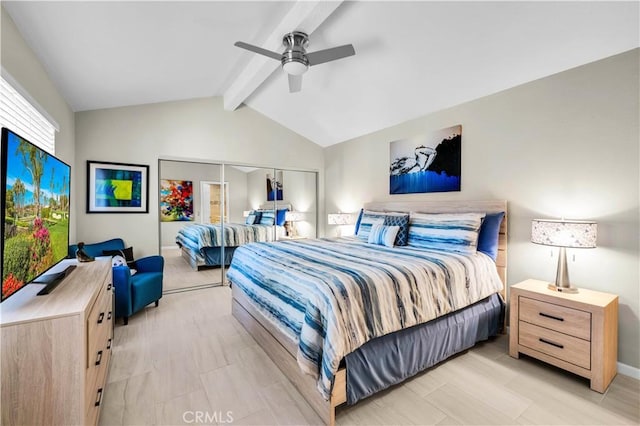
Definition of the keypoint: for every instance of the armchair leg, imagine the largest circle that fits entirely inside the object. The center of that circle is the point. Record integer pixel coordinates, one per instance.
(126, 320)
(157, 303)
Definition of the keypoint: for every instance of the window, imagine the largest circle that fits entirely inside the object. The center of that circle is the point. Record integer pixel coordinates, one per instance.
(20, 115)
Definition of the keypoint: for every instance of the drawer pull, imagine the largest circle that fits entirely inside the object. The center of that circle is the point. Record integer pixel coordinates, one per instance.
(98, 398)
(100, 317)
(109, 316)
(109, 344)
(99, 358)
(109, 287)
(542, 314)
(548, 342)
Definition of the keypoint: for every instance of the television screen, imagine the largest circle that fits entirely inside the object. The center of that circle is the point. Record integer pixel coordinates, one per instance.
(35, 189)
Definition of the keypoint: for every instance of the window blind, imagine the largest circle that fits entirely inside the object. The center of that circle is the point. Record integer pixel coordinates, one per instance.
(17, 114)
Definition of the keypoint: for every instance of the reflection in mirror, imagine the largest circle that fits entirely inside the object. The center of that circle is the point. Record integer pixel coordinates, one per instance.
(190, 200)
(298, 190)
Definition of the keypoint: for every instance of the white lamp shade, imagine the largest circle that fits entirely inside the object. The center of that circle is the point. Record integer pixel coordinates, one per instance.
(564, 233)
(293, 216)
(341, 218)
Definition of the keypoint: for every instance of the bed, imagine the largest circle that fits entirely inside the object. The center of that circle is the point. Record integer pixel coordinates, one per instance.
(344, 319)
(201, 243)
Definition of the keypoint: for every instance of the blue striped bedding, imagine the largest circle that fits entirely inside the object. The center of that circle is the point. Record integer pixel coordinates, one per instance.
(197, 236)
(333, 295)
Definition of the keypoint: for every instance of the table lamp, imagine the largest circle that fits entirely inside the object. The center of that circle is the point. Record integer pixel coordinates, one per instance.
(564, 233)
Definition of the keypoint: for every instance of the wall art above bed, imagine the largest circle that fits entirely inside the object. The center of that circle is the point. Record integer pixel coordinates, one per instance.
(426, 163)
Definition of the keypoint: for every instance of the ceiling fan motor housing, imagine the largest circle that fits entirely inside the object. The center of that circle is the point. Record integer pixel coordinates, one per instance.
(294, 59)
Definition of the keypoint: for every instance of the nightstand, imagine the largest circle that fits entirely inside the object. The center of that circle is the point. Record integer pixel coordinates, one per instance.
(576, 332)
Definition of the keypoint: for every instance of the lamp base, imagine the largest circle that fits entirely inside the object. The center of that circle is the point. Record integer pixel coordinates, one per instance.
(554, 287)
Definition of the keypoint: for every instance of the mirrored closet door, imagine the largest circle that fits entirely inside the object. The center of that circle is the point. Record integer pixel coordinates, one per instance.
(192, 198)
(205, 210)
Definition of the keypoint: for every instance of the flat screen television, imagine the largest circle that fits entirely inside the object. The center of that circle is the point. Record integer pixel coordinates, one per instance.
(35, 189)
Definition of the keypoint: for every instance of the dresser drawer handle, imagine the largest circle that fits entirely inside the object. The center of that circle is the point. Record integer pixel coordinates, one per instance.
(109, 344)
(99, 358)
(542, 314)
(109, 316)
(557, 345)
(109, 287)
(99, 398)
(100, 317)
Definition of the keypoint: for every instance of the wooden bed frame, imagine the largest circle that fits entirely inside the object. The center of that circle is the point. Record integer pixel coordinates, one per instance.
(280, 348)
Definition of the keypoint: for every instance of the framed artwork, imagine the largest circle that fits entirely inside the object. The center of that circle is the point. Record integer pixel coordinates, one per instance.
(117, 187)
(427, 163)
(274, 186)
(176, 200)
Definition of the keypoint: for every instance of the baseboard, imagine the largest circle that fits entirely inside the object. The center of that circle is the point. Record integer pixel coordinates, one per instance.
(628, 370)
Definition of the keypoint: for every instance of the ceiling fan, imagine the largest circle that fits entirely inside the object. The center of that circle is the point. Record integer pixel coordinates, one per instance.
(295, 59)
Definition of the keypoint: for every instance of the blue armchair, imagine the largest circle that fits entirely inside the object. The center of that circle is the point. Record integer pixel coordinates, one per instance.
(133, 292)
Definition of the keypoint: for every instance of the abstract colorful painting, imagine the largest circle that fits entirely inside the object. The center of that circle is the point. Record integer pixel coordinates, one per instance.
(428, 163)
(176, 200)
(274, 187)
(117, 188)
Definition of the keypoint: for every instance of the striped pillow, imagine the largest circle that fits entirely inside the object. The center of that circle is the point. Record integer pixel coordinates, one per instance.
(369, 218)
(383, 235)
(457, 232)
(268, 217)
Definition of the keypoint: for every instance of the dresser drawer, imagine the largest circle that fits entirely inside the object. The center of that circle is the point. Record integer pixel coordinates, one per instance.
(96, 378)
(555, 317)
(99, 323)
(558, 345)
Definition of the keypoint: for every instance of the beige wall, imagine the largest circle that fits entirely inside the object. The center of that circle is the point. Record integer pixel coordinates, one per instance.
(565, 145)
(18, 59)
(198, 129)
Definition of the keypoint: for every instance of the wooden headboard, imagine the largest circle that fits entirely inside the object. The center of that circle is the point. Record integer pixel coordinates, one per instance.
(491, 206)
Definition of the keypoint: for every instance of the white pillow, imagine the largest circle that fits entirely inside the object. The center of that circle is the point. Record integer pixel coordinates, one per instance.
(383, 235)
(118, 260)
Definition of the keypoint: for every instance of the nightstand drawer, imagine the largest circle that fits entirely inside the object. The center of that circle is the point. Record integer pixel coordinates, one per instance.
(567, 348)
(555, 317)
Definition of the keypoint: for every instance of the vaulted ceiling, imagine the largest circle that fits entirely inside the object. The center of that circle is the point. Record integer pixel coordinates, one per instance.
(412, 58)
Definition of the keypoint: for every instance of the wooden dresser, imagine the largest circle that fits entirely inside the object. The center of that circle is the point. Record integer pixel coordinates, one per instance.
(56, 349)
(576, 332)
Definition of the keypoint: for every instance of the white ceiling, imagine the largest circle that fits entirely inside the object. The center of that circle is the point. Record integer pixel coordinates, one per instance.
(412, 58)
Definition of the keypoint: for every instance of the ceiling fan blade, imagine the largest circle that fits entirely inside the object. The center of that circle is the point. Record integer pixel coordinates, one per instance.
(259, 50)
(322, 56)
(295, 83)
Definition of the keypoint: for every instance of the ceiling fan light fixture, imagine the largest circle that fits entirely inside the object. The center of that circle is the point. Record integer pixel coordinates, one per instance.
(294, 67)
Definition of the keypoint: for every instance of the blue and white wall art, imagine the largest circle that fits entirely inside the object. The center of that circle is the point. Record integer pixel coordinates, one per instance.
(427, 163)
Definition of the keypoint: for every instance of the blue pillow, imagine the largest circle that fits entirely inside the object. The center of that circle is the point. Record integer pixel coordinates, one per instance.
(490, 234)
(355, 232)
(401, 220)
(251, 219)
(281, 216)
(368, 220)
(258, 215)
(268, 217)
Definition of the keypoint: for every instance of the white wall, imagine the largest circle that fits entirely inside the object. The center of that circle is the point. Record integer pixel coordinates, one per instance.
(565, 145)
(198, 129)
(18, 59)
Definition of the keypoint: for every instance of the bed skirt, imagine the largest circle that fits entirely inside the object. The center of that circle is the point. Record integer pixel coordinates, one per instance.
(393, 358)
